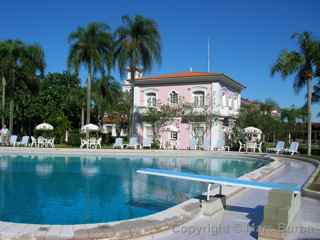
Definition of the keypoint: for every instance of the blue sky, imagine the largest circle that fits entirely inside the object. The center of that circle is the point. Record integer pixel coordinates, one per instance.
(246, 35)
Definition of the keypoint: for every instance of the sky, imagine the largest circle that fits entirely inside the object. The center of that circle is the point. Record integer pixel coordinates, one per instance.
(246, 35)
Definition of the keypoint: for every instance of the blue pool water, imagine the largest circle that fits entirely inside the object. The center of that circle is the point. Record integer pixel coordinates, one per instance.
(43, 189)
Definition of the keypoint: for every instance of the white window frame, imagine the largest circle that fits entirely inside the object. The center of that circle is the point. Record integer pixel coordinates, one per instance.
(147, 94)
(174, 133)
(170, 99)
(197, 94)
(145, 135)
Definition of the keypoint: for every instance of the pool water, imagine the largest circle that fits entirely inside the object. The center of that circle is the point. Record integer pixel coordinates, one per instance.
(43, 189)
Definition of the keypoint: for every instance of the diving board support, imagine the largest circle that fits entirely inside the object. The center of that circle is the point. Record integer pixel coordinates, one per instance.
(209, 191)
(210, 188)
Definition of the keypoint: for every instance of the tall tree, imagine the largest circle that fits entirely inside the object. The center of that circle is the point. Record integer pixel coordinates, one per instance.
(89, 47)
(137, 46)
(301, 63)
(106, 95)
(23, 64)
(3, 70)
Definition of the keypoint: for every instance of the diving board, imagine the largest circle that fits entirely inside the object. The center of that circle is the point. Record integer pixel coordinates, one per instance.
(221, 180)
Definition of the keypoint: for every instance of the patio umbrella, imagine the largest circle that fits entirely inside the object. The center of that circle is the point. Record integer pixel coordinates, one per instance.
(252, 130)
(44, 127)
(90, 128)
(253, 133)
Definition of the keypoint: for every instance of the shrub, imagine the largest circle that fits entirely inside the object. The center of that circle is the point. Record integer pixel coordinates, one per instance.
(74, 137)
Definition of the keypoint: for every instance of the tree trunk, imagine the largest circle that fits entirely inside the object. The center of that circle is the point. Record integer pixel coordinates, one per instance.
(3, 104)
(11, 108)
(82, 116)
(90, 76)
(309, 85)
(132, 114)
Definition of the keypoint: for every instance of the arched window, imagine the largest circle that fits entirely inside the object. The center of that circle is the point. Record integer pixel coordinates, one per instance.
(151, 99)
(198, 99)
(173, 97)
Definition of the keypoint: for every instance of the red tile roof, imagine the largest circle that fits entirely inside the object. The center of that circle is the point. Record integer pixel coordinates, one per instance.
(178, 75)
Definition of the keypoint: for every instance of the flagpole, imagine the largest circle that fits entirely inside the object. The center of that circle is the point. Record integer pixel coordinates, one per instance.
(209, 54)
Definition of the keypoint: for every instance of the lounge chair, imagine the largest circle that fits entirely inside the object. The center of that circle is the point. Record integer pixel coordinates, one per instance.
(147, 143)
(118, 143)
(34, 142)
(133, 143)
(84, 143)
(293, 148)
(24, 141)
(278, 149)
(221, 147)
(13, 140)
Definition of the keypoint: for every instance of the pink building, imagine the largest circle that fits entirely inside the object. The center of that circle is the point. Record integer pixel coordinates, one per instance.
(213, 92)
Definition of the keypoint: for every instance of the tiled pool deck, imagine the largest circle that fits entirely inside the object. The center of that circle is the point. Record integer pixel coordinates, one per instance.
(239, 221)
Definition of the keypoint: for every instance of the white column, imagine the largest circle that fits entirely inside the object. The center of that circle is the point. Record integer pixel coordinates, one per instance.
(216, 95)
(136, 98)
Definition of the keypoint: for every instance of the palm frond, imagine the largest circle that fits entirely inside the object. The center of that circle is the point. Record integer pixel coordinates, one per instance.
(137, 44)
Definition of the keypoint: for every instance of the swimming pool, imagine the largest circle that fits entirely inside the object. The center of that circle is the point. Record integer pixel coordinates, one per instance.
(71, 189)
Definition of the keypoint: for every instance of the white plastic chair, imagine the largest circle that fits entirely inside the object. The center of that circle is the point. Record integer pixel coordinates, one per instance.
(118, 143)
(92, 143)
(259, 147)
(34, 142)
(13, 140)
(147, 143)
(293, 148)
(251, 146)
(133, 143)
(278, 149)
(98, 144)
(241, 146)
(50, 142)
(24, 141)
(41, 142)
(84, 143)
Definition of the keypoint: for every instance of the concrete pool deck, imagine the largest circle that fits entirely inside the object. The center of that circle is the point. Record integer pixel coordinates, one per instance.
(239, 221)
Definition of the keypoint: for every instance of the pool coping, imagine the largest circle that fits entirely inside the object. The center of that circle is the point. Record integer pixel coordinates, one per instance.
(136, 227)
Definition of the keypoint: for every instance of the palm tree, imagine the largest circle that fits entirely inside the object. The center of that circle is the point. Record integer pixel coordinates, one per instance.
(90, 46)
(106, 94)
(291, 116)
(22, 64)
(137, 45)
(302, 64)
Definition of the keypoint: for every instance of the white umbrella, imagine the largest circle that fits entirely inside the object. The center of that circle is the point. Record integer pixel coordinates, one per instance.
(90, 128)
(44, 126)
(252, 130)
